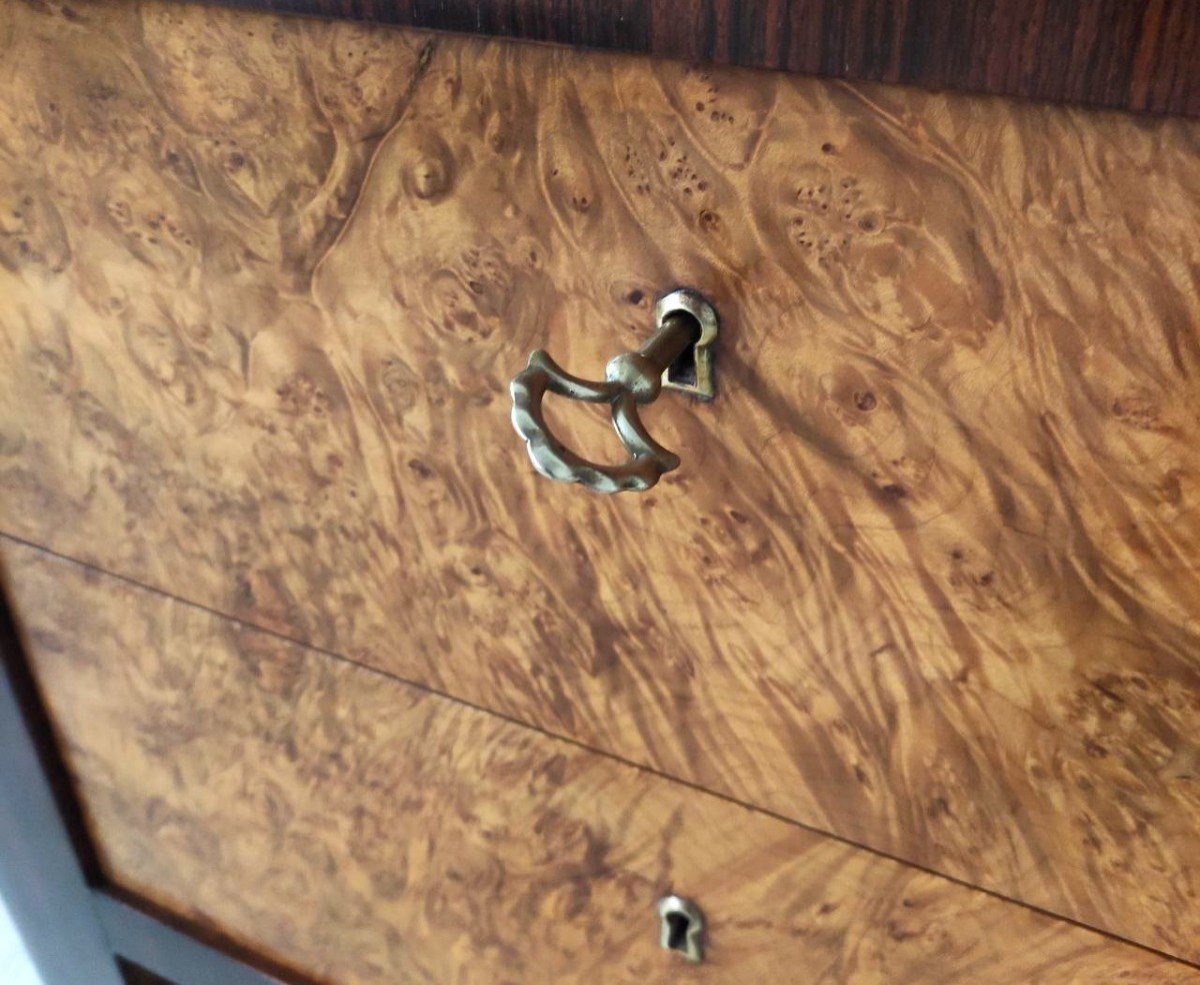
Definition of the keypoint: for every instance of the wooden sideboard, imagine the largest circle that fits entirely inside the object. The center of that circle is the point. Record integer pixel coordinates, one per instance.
(896, 676)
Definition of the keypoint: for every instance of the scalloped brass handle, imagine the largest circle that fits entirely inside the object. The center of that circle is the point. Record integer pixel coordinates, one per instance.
(686, 325)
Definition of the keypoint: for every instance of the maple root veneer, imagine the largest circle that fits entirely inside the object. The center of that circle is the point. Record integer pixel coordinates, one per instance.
(925, 581)
(363, 830)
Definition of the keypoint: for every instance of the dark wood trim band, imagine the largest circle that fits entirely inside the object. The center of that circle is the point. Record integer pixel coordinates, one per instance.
(1141, 55)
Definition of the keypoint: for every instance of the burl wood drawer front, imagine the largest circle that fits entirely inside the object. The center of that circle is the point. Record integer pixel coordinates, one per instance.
(927, 576)
(363, 830)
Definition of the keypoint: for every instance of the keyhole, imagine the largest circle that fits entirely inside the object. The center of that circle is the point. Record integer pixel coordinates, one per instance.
(681, 926)
(677, 929)
(683, 370)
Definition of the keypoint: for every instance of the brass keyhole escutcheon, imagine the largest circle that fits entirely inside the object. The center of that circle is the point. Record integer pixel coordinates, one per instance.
(681, 927)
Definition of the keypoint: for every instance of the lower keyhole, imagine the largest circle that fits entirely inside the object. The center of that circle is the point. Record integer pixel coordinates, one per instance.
(681, 925)
(677, 930)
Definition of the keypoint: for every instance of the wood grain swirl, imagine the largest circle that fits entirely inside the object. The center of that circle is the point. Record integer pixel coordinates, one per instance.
(365, 831)
(927, 577)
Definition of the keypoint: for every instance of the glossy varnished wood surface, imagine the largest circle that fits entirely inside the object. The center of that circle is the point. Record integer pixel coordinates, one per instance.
(927, 577)
(365, 831)
(1136, 54)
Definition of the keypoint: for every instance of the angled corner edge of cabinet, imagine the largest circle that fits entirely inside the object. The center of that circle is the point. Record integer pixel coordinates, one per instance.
(73, 924)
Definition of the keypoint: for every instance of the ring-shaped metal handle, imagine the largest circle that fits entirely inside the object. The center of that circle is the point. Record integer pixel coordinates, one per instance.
(685, 320)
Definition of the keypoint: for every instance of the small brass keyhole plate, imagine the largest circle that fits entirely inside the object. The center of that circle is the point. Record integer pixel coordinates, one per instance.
(681, 927)
(692, 372)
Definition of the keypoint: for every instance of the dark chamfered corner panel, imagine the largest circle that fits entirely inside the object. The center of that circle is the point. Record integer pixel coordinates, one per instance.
(148, 942)
(42, 881)
(48, 868)
(135, 974)
(1131, 54)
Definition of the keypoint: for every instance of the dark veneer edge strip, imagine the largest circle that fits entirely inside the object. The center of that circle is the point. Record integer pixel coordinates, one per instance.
(1141, 55)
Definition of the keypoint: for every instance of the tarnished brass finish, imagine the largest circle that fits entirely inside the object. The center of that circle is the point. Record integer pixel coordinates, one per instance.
(687, 325)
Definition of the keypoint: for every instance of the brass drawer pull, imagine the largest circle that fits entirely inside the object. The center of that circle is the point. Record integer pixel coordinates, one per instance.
(686, 326)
